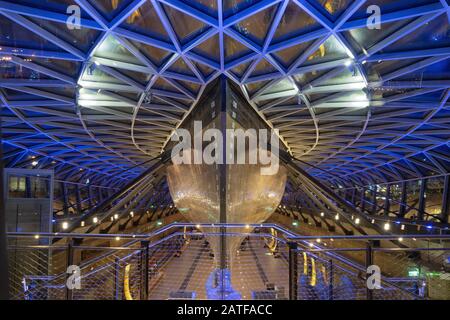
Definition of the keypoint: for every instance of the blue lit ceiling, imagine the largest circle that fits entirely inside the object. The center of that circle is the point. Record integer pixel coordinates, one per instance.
(360, 104)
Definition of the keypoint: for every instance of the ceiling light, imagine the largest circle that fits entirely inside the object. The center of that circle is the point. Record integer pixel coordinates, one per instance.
(65, 225)
(357, 220)
(387, 226)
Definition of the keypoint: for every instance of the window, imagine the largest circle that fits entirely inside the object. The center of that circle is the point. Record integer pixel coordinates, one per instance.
(433, 195)
(395, 197)
(39, 187)
(17, 187)
(412, 198)
(381, 197)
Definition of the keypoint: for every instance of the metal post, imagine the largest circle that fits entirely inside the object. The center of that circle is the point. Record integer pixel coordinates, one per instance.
(387, 200)
(363, 199)
(293, 271)
(65, 199)
(144, 269)
(403, 200)
(330, 281)
(369, 262)
(117, 279)
(78, 199)
(4, 275)
(446, 200)
(422, 199)
(374, 199)
(70, 259)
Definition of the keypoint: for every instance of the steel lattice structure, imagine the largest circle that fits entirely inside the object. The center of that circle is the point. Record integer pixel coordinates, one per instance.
(361, 104)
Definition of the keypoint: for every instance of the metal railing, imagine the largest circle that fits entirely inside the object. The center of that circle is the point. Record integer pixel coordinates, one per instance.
(179, 261)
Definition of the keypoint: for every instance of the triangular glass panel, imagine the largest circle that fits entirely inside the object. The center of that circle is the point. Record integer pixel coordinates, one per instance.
(231, 7)
(333, 8)
(234, 49)
(256, 27)
(295, 22)
(156, 55)
(205, 70)
(142, 78)
(58, 6)
(111, 49)
(66, 67)
(162, 84)
(263, 67)
(83, 39)
(181, 67)
(11, 70)
(146, 21)
(192, 87)
(287, 56)
(435, 34)
(185, 26)
(377, 69)
(14, 35)
(206, 6)
(255, 86)
(365, 38)
(209, 49)
(330, 50)
(437, 71)
(109, 9)
(240, 69)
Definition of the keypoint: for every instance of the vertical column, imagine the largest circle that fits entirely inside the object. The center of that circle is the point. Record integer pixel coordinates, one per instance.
(117, 295)
(369, 262)
(293, 271)
(89, 189)
(423, 186)
(65, 198)
(69, 262)
(387, 200)
(330, 281)
(446, 200)
(363, 199)
(144, 269)
(78, 198)
(403, 200)
(4, 281)
(374, 199)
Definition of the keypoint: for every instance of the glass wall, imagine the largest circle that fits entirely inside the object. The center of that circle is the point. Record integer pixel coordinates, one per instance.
(433, 196)
(412, 198)
(395, 197)
(368, 198)
(381, 198)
